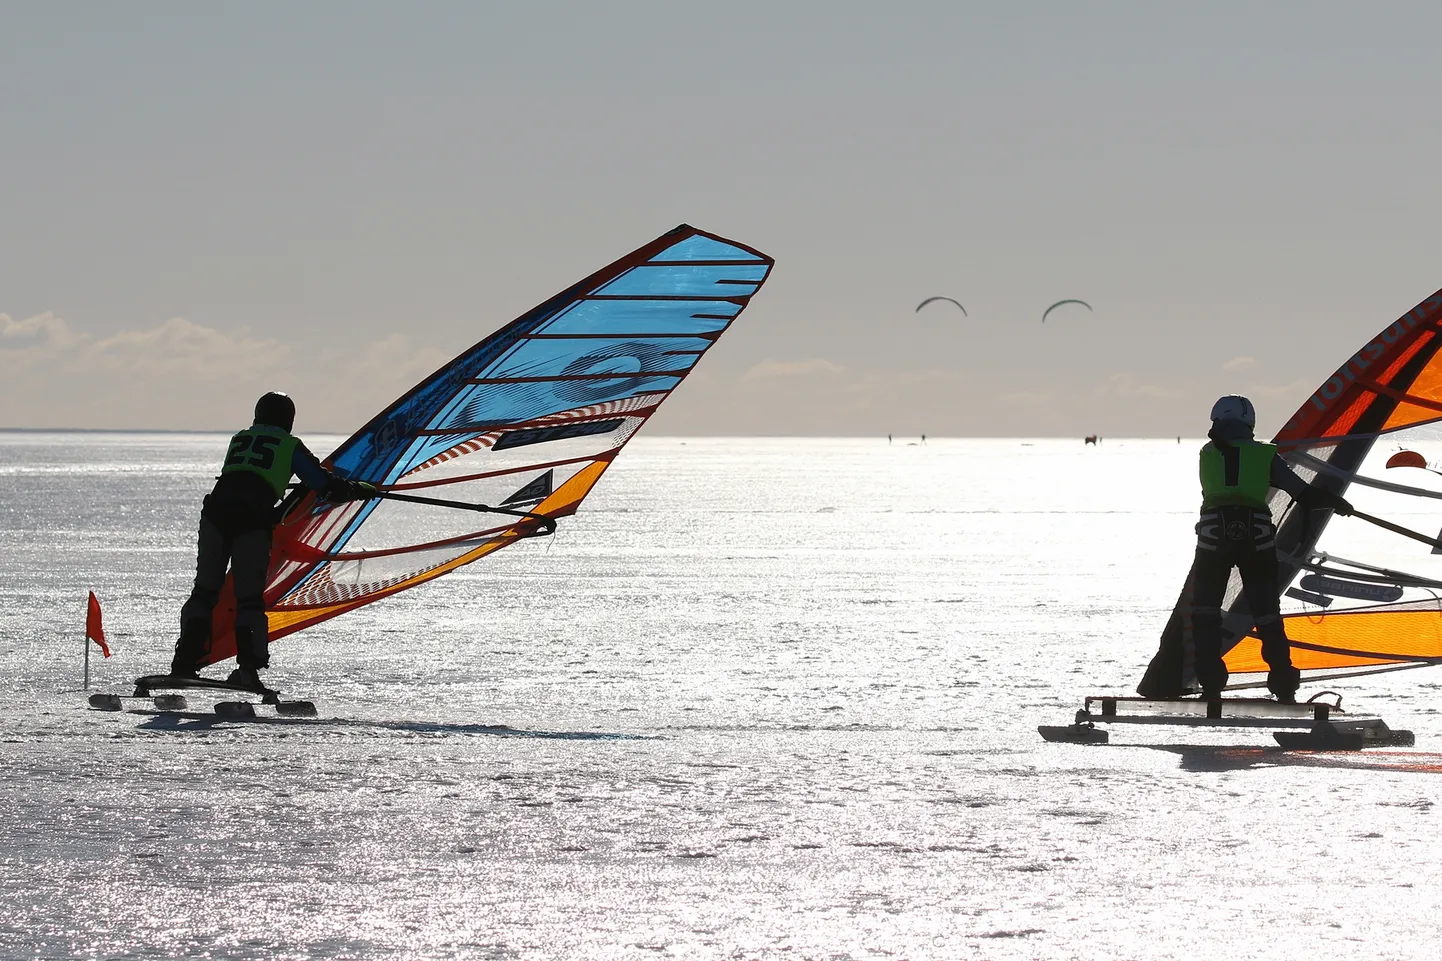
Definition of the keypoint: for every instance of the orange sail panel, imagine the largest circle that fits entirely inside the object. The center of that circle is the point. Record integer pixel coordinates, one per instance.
(526, 420)
(1350, 639)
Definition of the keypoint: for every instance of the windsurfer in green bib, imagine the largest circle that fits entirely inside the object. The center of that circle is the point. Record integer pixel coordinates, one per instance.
(235, 528)
(1236, 530)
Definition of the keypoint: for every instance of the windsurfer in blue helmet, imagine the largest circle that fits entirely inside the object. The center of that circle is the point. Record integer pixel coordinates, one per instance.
(235, 528)
(1236, 530)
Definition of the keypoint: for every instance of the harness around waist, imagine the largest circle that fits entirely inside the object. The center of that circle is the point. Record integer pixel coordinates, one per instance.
(1235, 524)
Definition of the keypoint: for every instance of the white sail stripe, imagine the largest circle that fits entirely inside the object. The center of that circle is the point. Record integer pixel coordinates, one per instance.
(629, 405)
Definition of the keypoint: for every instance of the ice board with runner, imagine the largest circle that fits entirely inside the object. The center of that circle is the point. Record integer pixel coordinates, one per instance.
(505, 439)
(158, 690)
(1314, 726)
(1359, 595)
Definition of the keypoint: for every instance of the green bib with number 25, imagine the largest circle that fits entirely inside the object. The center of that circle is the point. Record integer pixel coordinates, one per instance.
(262, 450)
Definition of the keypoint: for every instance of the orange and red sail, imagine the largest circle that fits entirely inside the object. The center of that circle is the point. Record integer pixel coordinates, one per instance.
(1355, 598)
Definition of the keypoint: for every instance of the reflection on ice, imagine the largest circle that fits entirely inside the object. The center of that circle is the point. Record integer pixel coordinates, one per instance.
(704, 721)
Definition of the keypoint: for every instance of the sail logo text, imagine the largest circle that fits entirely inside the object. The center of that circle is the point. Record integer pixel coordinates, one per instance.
(1349, 372)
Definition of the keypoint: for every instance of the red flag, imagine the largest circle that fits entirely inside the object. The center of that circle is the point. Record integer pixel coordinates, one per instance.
(93, 630)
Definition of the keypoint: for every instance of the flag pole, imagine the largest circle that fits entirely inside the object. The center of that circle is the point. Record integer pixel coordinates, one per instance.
(86, 641)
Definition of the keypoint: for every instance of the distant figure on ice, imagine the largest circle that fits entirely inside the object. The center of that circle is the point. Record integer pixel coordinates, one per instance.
(1091, 439)
(235, 524)
(923, 439)
(1236, 530)
(888, 439)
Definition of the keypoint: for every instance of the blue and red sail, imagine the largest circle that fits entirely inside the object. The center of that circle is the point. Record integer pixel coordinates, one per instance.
(528, 419)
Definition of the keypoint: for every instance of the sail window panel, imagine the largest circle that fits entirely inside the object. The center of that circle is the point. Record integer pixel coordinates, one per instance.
(589, 357)
(425, 448)
(560, 435)
(489, 407)
(513, 467)
(543, 447)
(478, 408)
(705, 248)
(724, 280)
(399, 524)
(373, 450)
(643, 317)
(377, 573)
(301, 536)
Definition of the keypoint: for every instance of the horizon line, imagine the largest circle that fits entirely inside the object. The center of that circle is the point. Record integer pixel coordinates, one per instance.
(227, 432)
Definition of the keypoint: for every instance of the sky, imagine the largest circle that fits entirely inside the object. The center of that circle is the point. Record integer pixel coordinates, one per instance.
(205, 201)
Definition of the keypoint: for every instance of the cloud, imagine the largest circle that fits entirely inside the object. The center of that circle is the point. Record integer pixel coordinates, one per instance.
(394, 358)
(1127, 385)
(1296, 389)
(352, 382)
(177, 374)
(775, 369)
(814, 396)
(1240, 363)
(1026, 398)
(176, 347)
(181, 349)
(38, 334)
(180, 375)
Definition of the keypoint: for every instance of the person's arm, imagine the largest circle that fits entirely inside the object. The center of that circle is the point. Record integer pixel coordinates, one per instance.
(306, 467)
(1314, 498)
(331, 486)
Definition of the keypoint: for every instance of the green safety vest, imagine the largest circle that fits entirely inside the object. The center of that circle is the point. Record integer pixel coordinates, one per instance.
(1251, 482)
(264, 450)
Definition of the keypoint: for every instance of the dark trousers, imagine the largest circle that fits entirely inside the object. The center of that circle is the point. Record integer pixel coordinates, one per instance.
(1244, 538)
(247, 553)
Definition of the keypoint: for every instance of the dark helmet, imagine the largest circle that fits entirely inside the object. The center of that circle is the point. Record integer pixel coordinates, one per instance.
(276, 410)
(1235, 407)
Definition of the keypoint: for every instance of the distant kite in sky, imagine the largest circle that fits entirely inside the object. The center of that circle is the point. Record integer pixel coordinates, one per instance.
(1059, 303)
(930, 299)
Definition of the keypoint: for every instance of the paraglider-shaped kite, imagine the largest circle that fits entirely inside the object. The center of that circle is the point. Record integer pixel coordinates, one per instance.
(930, 299)
(1059, 303)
